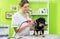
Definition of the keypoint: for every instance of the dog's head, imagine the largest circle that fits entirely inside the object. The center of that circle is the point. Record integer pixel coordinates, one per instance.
(40, 22)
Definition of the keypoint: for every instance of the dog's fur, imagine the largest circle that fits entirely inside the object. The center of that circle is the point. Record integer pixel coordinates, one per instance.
(37, 28)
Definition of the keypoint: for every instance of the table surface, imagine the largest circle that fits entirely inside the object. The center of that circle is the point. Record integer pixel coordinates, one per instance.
(38, 37)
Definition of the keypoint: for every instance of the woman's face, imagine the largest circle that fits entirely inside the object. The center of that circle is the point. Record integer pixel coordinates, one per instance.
(25, 7)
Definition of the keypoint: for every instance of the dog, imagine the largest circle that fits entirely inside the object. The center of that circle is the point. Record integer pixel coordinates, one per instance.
(39, 26)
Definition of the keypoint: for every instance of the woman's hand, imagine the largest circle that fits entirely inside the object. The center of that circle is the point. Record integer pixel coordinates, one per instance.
(29, 23)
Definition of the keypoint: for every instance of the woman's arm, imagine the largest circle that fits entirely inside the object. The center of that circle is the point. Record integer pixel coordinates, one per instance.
(22, 28)
(15, 29)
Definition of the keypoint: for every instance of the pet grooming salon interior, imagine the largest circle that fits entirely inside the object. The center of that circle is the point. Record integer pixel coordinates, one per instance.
(47, 11)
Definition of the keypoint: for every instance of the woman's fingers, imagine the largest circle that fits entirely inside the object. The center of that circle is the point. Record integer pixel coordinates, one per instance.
(29, 24)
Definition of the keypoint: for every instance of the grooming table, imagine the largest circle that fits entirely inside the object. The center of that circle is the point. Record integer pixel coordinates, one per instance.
(40, 37)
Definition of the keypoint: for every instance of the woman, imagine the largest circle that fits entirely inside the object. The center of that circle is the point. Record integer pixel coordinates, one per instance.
(19, 18)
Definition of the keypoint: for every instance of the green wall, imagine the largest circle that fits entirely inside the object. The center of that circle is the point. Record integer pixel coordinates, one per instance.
(54, 14)
(58, 16)
(54, 17)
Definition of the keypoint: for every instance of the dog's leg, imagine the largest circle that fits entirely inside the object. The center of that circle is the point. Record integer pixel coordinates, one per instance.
(43, 33)
(36, 32)
(40, 32)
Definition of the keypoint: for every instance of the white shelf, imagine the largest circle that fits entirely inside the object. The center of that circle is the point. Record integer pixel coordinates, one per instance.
(39, 14)
(38, 0)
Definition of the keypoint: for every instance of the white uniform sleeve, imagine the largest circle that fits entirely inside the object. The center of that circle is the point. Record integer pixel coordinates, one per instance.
(15, 20)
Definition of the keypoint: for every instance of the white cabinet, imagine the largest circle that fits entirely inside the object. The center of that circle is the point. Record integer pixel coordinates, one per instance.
(4, 30)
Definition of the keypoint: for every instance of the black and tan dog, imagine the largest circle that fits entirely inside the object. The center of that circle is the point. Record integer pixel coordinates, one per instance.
(39, 26)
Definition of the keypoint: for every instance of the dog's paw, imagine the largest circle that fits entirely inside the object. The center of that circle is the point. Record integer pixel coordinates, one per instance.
(43, 36)
(36, 35)
(40, 34)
